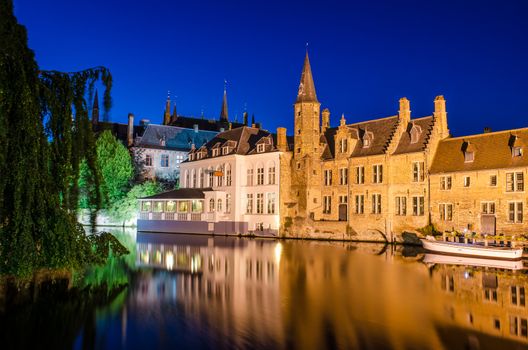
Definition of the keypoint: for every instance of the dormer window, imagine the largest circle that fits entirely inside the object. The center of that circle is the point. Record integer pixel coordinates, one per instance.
(517, 151)
(469, 157)
(367, 139)
(162, 142)
(215, 152)
(261, 148)
(415, 133)
(225, 150)
(343, 145)
(191, 156)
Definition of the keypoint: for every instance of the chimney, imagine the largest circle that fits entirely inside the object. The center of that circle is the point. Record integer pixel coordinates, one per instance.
(130, 130)
(282, 143)
(326, 120)
(405, 111)
(440, 116)
(487, 130)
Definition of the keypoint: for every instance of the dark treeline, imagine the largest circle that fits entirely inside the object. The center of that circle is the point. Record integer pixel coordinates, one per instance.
(45, 134)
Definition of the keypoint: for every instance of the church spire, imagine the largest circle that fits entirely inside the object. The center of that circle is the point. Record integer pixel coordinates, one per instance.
(223, 112)
(167, 115)
(174, 113)
(306, 87)
(95, 109)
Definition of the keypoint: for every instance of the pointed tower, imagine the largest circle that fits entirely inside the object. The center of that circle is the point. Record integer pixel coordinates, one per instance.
(223, 112)
(95, 109)
(174, 113)
(307, 111)
(167, 115)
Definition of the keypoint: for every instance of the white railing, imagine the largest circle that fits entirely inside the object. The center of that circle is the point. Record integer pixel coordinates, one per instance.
(177, 216)
(156, 216)
(144, 215)
(169, 216)
(196, 217)
(182, 217)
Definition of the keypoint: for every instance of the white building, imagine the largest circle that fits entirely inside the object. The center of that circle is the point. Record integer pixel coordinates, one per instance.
(235, 179)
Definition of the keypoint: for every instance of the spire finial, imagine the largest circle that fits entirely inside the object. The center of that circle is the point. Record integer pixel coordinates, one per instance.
(223, 112)
(167, 115)
(306, 91)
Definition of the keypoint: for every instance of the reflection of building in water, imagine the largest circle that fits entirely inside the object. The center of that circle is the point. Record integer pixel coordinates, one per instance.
(229, 283)
(490, 301)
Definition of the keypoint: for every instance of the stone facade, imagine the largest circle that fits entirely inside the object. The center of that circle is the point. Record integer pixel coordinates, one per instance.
(372, 180)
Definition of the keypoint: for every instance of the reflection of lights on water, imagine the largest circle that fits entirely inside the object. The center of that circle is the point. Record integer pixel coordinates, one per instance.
(145, 257)
(467, 274)
(158, 257)
(169, 260)
(196, 263)
(278, 252)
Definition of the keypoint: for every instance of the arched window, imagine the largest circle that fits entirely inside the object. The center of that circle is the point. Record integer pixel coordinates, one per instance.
(186, 184)
(211, 204)
(219, 206)
(220, 177)
(260, 174)
(211, 177)
(193, 178)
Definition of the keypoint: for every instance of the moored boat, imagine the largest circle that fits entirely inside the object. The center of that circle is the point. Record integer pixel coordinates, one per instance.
(465, 249)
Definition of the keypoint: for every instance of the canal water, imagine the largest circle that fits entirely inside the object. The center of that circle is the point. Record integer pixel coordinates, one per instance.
(198, 292)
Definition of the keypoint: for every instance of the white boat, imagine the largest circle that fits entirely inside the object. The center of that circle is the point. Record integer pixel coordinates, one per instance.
(473, 261)
(453, 248)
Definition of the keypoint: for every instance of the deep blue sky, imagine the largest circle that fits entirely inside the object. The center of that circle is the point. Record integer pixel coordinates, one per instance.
(365, 55)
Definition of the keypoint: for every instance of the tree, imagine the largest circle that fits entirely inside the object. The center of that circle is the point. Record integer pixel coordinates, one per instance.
(41, 148)
(115, 164)
(125, 208)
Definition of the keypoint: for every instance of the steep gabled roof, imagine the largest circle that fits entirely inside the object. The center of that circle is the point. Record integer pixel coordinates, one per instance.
(492, 151)
(380, 131)
(425, 125)
(180, 139)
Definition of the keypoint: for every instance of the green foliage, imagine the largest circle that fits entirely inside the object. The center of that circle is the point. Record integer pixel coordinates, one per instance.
(429, 230)
(44, 135)
(125, 208)
(115, 165)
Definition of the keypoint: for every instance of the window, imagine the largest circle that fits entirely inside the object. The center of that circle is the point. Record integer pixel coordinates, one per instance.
(515, 212)
(490, 294)
(228, 203)
(261, 148)
(488, 207)
(515, 182)
(225, 150)
(327, 204)
(164, 160)
(211, 177)
(366, 141)
(146, 206)
(197, 206)
(271, 175)
(249, 178)
(493, 180)
(467, 181)
(183, 206)
(517, 151)
(194, 178)
(148, 160)
(360, 175)
(377, 174)
(187, 178)
(219, 205)
(415, 134)
(343, 176)
(469, 157)
(376, 204)
(228, 176)
(219, 177)
(418, 171)
(202, 178)
(260, 203)
(518, 296)
(446, 211)
(191, 156)
(249, 203)
(360, 204)
(271, 203)
(401, 206)
(260, 176)
(418, 205)
(445, 182)
(519, 326)
(215, 152)
(343, 199)
(343, 145)
(328, 177)
(211, 204)
(179, 158)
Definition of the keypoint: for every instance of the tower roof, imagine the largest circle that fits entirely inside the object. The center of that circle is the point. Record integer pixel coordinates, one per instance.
(306, 86)
(223, 112)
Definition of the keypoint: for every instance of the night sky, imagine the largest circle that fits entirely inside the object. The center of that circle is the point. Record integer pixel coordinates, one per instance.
(364, 56)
